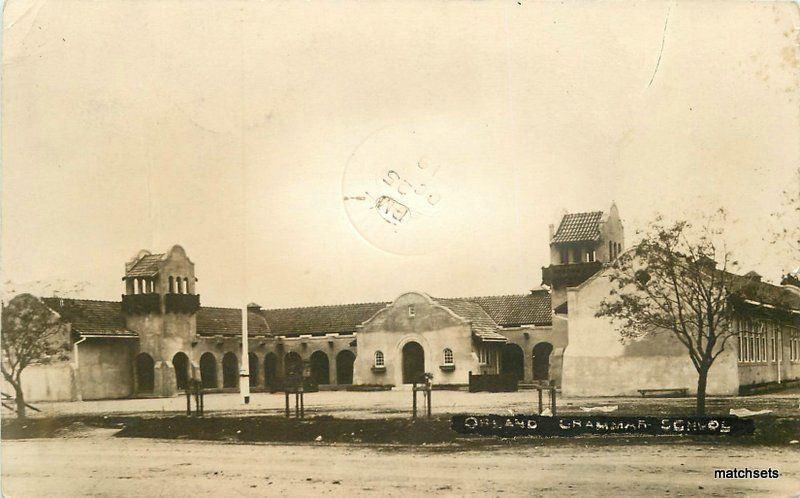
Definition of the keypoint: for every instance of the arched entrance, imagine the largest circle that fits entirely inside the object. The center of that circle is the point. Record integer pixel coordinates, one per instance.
(512, 361)
(292, 365)
(180, 362)
(541, 360)
(145, 375)
(253, 369)
(230, 370)
(413, 363)
(208, 370)
(270, 369)
(320, 370)
(344, 367)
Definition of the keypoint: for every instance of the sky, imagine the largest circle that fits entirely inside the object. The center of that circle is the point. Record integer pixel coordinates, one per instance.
(260, 136)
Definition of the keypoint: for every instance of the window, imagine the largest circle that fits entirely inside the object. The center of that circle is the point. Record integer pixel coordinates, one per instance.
(412, 311)
(758, 342)
(379, 359)
(564, 256)
(591, 256)
(794, 344)
(448, 356)
(171, 285)
(485, 355)
(739, 349)
(773, 346)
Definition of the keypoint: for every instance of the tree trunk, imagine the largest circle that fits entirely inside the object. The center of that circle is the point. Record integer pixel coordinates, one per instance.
(702, 380)
(20, 399)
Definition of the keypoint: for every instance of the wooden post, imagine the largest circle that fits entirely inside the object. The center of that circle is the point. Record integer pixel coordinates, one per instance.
(414, 403)
(429, 401)
(302, 404)
(553, 400)
(196, 389)
(296, 404)
(188, 400)
(539, 390)
(286, 393)
(202, 401)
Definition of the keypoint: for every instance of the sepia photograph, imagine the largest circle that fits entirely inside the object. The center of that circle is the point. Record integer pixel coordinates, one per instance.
(400, 248)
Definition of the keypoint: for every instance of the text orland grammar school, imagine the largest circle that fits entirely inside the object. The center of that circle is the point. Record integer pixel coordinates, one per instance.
(159, 336)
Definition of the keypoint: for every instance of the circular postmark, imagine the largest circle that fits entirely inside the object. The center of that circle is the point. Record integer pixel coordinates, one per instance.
(397, 188)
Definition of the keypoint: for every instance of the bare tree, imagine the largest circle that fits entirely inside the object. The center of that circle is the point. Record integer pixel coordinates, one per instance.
(676, 281)
(31, 334)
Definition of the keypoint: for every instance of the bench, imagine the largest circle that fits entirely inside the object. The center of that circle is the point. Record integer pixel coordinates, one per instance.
(675, 392)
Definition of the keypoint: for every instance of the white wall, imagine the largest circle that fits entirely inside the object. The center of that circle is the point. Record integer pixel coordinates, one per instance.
(434, 327)
(596, 363)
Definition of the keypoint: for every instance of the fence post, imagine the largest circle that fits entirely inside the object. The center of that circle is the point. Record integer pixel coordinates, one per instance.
(553, 400)
(414, 403)
(286, 393)
(196, 389)
(188, 401)
(539, 390)
(302, 404)
(428, 392)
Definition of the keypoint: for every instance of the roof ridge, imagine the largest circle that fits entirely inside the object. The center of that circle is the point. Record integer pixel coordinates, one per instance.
(326, 306)
(80, 299)
(492, 295)
(585, 212)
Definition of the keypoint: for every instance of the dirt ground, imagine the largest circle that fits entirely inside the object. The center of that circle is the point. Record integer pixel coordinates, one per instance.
(398, 403)
(96, 464)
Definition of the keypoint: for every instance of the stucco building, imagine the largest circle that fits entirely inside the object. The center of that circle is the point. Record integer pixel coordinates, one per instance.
(159, 335)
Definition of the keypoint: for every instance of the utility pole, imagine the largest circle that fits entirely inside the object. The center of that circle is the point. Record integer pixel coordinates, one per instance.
(244, 372)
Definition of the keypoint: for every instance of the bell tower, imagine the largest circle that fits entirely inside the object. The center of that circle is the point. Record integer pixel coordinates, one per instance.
(160, 304)
(579, 248)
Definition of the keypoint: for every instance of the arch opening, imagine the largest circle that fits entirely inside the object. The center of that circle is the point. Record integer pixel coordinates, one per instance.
(512, 361)
(292, 365)
(270, 369)
(252, 361)
(208, 370)
(541, 361)
(344, 367)
(320, 368)
(180, 362)
(413, 363)
(230, 370)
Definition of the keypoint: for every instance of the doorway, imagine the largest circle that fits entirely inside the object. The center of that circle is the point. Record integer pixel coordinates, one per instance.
(413, 363)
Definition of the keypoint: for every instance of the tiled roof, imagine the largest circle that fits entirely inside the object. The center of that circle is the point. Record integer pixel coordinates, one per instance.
(482, 324)
(763, 292)
(578, 227)
(228, 321)
(88, 317)
(320, 320)
(517, 309)
(147, 266)
(487, 314)
(506, 311)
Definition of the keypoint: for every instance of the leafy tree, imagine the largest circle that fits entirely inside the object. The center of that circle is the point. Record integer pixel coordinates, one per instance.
(31, 333)
(676, 281)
